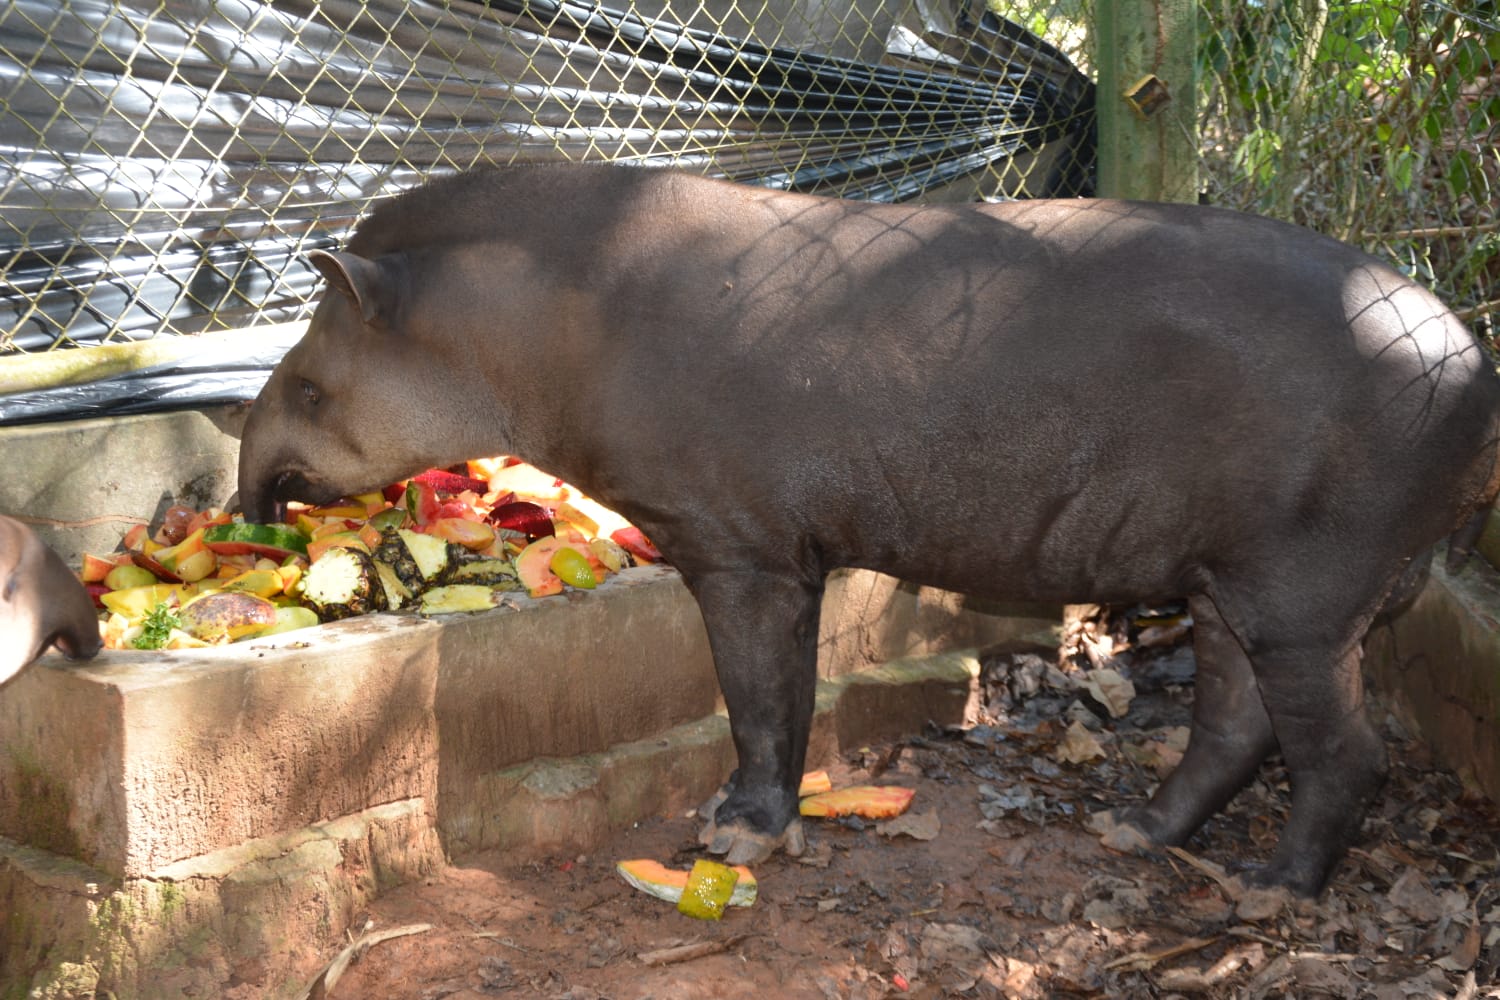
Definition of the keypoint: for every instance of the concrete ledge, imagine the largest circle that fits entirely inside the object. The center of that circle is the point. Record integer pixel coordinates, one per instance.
(259, 913)
(265, 911)
(1437, 666)
(576, 804)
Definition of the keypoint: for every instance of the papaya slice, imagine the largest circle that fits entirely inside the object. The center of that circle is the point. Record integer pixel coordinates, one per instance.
(868, 801)
(656, 879)
(814, 783)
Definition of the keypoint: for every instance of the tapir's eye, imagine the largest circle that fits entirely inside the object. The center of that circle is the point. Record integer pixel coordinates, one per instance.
(11, 583)
(309, 392)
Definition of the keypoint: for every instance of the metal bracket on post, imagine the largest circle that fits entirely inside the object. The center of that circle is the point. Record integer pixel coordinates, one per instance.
(1149, 96)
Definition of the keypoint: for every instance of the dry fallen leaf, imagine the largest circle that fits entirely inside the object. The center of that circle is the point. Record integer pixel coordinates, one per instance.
(1111, 689)
(919, 826)
(1078, 745)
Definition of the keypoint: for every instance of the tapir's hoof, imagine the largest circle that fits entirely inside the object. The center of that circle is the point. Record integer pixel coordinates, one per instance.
(1117, 833)
(741, 845)
(1254, 903)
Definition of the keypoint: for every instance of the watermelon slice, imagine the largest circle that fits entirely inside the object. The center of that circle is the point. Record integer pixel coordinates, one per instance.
(273, 541)
(634, 541)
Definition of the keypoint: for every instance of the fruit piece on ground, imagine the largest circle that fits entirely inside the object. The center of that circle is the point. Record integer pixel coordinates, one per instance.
(226, 616)
(343, 584)
(534, 567)
(471, 534)
(275, 541)
(634, 541)
(814, 783)
(457, 598)
(572, 568)
(129, 575)
(709, 888)
(288, 619)
(656, 879)
(868, 801)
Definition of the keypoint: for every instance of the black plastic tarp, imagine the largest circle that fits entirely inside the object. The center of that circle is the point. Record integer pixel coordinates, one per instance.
(164, 166)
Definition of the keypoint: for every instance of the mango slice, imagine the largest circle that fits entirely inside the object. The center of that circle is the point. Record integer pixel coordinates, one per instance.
(655, 879)
(226, 615)
(868, 801)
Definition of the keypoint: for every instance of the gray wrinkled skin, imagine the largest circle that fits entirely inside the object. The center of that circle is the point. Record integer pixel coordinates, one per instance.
(42, 603)
(1059, 401)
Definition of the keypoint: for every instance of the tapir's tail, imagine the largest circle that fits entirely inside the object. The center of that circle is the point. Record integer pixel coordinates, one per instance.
(1461, 543)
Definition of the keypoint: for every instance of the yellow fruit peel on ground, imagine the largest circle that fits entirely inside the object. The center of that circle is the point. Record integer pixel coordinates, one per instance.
(710, 885)
(867, 801)
(814, 783)
(655, 879)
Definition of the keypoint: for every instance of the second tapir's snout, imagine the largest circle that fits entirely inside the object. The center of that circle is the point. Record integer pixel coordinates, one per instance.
(42, 604)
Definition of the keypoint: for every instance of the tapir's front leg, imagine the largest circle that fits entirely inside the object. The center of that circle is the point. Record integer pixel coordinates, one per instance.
(763, 631)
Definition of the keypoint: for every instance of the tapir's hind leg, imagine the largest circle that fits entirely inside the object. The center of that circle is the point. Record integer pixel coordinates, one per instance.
(1335, 757)
(1231, 736)
(763, 631)
(1265, 680)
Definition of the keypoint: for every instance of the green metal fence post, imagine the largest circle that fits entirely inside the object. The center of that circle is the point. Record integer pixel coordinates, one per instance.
(1148, 126)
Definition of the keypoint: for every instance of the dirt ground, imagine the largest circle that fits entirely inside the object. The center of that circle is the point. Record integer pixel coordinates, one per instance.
(991, 886)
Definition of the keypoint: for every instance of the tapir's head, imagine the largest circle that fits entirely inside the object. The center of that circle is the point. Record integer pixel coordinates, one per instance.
(42, 603)
(374, 392)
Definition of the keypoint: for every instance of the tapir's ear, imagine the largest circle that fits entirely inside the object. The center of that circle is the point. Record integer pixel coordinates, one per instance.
(370, 284)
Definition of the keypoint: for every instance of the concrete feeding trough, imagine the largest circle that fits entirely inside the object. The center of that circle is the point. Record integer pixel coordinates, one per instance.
(172, 822)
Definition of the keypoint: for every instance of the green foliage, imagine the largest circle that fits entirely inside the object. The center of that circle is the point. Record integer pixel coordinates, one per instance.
(1373, 120)
(157, 628)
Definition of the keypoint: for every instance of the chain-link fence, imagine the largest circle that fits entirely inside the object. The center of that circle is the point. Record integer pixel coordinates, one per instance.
(1374, 121)
(164, 166)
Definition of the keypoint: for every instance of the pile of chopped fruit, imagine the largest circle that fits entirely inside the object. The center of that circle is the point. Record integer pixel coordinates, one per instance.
(440, 543)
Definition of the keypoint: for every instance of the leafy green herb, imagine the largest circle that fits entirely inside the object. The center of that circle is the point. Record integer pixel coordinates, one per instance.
(157, 627)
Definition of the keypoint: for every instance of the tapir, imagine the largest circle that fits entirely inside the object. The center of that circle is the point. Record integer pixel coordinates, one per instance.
(1063, 401)
(43, 603)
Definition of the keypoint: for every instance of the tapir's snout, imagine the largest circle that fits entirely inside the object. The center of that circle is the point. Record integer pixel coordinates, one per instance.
(43, 604)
